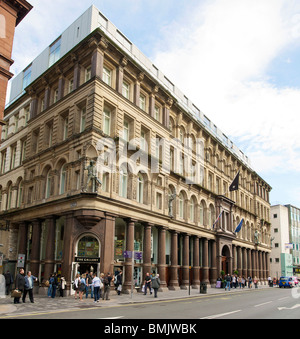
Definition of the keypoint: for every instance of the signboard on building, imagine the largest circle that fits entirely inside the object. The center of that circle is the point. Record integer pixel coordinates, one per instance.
(87, 260)
(21, 261)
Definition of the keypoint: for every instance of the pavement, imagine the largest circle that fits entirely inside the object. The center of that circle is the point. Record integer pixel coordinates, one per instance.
(44, 304)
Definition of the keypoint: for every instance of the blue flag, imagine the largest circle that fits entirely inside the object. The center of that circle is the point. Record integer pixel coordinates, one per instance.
(239, 227)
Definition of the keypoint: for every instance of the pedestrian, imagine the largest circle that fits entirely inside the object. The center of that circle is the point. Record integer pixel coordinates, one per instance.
(51, 281)
(119, 283)
(249, 282)
(106, 289)
(147, 283)
(101, 291)
(255, 280)
(155, 281)
(82, 286)
(29, 280)
(89, 285)
(96, 284)
(234, 281)
(269, 281)
(76, 284)
(8, 282)
(240, 281)
(19, 284)
(54, 285)
(62, 286)
(227, 280)
(243, 282)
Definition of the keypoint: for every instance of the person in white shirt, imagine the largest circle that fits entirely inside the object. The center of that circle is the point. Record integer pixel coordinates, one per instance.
(96, 283)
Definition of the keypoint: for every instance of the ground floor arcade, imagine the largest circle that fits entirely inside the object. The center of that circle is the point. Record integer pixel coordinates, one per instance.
(95, 240)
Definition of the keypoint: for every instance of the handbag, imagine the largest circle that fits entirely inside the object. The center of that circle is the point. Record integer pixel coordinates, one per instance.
(16, 294)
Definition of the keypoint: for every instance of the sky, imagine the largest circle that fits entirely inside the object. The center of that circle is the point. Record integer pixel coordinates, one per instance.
(237, 61)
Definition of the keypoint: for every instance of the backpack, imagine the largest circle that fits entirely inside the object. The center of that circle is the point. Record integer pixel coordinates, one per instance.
(105, 280)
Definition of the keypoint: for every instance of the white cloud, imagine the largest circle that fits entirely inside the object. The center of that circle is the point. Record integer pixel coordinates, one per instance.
(220, 61)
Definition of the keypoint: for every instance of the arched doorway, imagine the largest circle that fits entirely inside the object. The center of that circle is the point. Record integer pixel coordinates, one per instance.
(226, 259)
(87, 257)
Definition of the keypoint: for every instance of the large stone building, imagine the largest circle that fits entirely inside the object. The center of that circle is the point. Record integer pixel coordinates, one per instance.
(96, 107)
(12, 13)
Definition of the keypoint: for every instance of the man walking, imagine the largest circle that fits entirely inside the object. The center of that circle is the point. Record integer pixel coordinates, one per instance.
(8, 282)
(106, 282)
(147, 283)
(29, 279)
(228, 280)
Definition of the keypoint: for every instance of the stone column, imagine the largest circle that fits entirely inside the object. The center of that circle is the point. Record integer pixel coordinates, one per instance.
(244, 262)
(50, 248)
(249, 262)
(120, 75)
(196, 264)
(98, 57)
(23, 231)
(253, 263)
(213, 269)
(147, 249)
(68, 252)
(137, 89)
(185, 262)
(205, 268)
(76, 76)
(36, 245)
(174, 284)
(161, 263)
(239, 260)
(128, 261)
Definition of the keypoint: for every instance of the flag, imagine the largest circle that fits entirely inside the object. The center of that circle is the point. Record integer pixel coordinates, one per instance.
(214, 224)
(239, 227)
(235, 184)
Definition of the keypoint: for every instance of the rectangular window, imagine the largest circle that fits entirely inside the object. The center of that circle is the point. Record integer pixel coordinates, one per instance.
(142, 102)
(71, 85)
(106, 121)
(26, 77)
(54, 52)
(88, 74)
(157, 113)
(65, 127)
(126, 130)
(125, 90)
(158, 201)
(82, 119)
(13, 156)
(107, 76)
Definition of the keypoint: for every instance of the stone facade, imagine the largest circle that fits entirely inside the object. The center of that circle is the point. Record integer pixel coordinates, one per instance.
(165, 178)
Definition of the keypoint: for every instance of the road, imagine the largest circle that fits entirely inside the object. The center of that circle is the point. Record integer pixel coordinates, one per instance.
(273, 303)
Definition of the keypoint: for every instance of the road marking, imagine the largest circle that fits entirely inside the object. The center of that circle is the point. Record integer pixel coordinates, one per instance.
(221, 315)
(289, 308)
(111, 318)
(268, 302)
(283, 298)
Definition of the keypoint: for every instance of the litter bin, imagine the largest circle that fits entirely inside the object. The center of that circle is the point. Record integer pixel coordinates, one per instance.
(203, 288)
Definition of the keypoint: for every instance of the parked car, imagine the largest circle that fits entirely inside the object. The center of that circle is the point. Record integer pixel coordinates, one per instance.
(296, 280)
(286, 282)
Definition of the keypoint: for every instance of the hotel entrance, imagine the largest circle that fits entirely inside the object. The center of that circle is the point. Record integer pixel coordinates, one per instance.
(87, 256)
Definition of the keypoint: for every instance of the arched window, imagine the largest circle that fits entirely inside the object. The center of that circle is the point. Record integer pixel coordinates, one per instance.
(48, 185)
(211, 216)
(140, 189)
(20, 194)
(63, 176)
(9, 196)
(181, 206)
(123, 181)
(192, 210)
